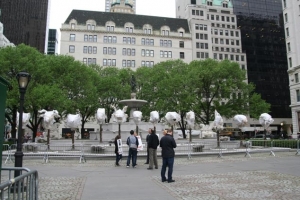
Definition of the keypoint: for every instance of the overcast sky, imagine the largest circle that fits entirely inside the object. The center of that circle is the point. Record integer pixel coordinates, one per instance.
(60, 9)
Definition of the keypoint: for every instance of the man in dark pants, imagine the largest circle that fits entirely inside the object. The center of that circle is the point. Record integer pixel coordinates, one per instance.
(147, 139)
(153, 143)
(132, 143)
(167, 143)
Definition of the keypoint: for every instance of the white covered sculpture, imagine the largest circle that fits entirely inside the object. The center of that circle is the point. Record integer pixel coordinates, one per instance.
(25, 119)
(265, 120)
(190, 119)
(172, 118)
(154, 117)
(218, 122)
(119, 115)
(73, 121)
(101, 116)
(137, 116)
(241, 120)
(48, 118)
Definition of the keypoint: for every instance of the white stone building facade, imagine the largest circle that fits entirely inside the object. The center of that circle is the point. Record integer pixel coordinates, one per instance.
(291, 18)
(125, 40)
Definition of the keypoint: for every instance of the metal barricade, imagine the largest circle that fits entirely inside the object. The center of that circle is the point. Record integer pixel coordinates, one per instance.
(8, 151)
(22, 187)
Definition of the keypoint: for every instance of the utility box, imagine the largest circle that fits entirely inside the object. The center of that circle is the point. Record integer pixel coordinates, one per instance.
(4, 86)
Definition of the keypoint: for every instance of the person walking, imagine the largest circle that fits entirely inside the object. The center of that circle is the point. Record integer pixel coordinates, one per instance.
(167, 144)
(153, 143)
(147, 139)
(118, 153)
(132, 143)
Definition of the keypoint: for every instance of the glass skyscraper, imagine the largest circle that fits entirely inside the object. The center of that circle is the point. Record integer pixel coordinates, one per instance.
(263, 40)
(25, 21)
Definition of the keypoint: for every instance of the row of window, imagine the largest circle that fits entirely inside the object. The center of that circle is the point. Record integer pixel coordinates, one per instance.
(200, 45)
(110, 28)
(127, 63)
(226, 49)
(223, 25)
(229, 57)
(225, 41)
(202, 36)
(201, 27)
(224, 32)
(126, 40)
(89, 61)
(222, 18)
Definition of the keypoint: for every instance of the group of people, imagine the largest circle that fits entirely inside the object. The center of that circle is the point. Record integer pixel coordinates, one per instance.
(167, 144)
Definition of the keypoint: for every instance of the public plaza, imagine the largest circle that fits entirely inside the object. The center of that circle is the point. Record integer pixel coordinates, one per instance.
(230, 177)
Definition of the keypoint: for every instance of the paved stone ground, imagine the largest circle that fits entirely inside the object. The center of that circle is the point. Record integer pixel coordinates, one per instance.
(233, 177)
(234, 186)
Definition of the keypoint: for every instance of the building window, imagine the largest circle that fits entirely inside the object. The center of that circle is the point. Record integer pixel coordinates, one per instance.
(209, 3)
(85, 49)
(71, 49)
(72, 26)
(289, 47)
(193, 2)
(181, 34)
(225, 5)
(290, 62)
(181, 55)
(296, 78)
(181, 44)
(165, 32)
(110, 28)
(284, 3)
(237, 43)
(232, 19)
(94, 50)
(88, 26)
(86, 38)
(242, 58)
(129, 29)
(287, 32)
(72, 37)
(104, 50)
(147, 31)
(84, 61)
(286, 17)
(95, 38)
(298, 95)
(89, 49)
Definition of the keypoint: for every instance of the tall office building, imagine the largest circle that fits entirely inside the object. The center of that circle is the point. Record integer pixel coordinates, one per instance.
(291, 13)
(25, 22)
(52, 41)
(262, 31)
(109, 3)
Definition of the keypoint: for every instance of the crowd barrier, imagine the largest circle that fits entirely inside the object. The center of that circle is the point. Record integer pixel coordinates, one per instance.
(24, 186)
(82, 150)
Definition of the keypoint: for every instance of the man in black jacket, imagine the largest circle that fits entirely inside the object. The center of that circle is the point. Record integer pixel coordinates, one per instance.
(167, 143)
(153, 143)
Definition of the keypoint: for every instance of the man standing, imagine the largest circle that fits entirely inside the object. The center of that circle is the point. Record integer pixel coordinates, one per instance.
(132, 143)
(147, 139)
(153, 143)
(167, 143)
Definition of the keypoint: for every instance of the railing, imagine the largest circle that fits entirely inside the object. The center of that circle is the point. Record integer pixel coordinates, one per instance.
(82, 151)
(22, 187)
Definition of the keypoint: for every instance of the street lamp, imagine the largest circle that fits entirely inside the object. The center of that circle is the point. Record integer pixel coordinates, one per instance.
(23, 80)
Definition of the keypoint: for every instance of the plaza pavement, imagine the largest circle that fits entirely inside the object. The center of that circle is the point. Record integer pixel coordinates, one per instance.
(233, 177)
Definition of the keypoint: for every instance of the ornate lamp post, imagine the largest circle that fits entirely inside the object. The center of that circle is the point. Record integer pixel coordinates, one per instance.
(23, 80)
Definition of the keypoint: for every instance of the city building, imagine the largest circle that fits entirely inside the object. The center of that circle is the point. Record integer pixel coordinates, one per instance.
(3, 40)
(111, 3)
(291, 18)
(124, 40)
(263, 40)
(25, 22)
(214, 30)
(52, 41)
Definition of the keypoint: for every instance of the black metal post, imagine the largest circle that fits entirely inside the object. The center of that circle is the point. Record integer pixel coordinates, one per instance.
(119, 129)
(19, 153)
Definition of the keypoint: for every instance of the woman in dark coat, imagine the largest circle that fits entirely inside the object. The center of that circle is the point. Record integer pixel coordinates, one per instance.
(118, 154)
